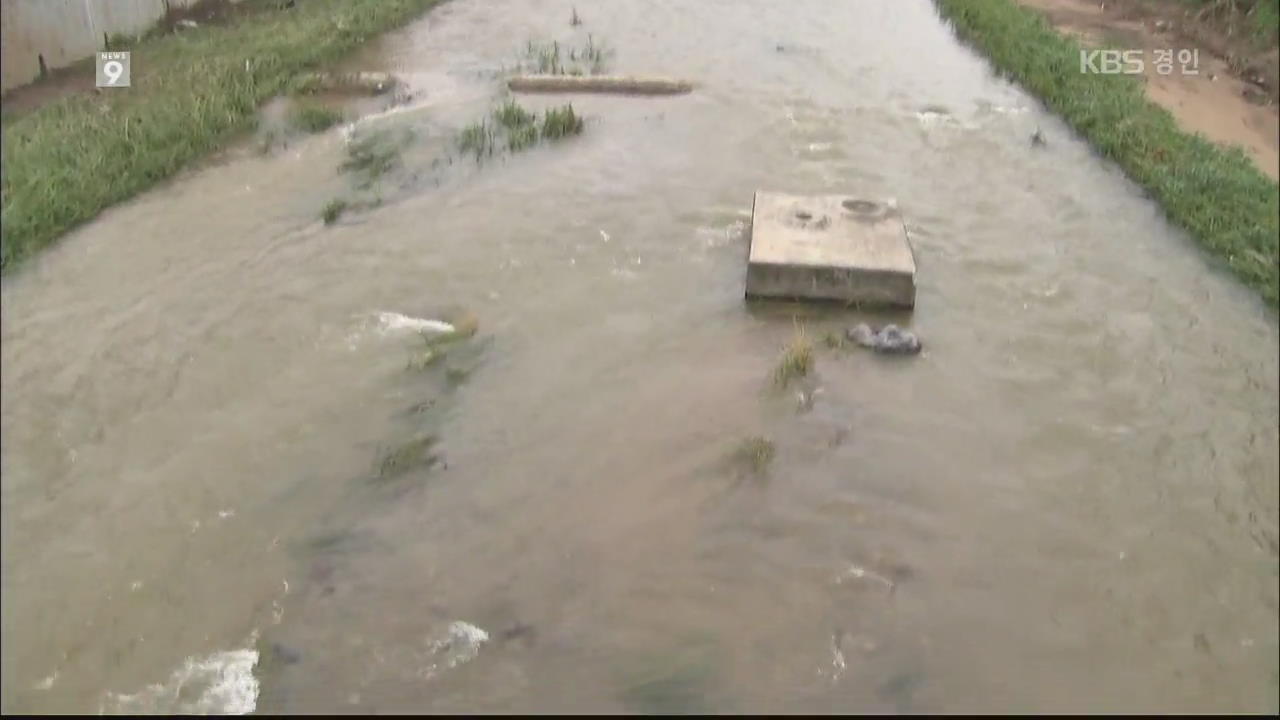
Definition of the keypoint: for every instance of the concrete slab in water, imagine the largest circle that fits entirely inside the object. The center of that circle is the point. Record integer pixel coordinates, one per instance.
(830, 247)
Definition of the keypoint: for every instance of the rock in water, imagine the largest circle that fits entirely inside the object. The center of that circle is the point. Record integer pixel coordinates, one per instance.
(894, 340)
(889, 340)
(862, 334)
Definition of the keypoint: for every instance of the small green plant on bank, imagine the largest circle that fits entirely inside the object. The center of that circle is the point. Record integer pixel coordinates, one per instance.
(1258, 18)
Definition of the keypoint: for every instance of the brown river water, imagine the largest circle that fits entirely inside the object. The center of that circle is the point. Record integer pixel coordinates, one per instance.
(1068, 502)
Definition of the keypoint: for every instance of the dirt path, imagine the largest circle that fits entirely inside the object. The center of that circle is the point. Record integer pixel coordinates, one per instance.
(1216, 102)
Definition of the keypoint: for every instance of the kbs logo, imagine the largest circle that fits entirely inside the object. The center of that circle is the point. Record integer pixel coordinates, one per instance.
(1111, 62)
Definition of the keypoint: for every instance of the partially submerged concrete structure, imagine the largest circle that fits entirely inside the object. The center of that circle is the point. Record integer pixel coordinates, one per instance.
(830, 247)
(599, 84)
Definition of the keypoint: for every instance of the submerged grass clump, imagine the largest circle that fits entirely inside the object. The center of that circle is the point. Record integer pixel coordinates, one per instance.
(522, 137)
(374, 155)
(512, 116)
(796, 360)
(756, 453)
(555, 59)
(515, 128)
(193, 92)
(413, 454)
(333, 210)
(477, 139)
(561, 122)
(314, 118)
(1215, 193)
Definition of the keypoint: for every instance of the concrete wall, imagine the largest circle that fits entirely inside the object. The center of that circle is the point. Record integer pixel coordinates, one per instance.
(65, 31)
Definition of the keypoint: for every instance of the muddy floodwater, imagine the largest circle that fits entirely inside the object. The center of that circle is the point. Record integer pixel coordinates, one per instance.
(1067, 502)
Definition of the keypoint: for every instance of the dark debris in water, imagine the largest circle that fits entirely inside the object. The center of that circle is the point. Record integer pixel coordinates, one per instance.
(900, 689)
(285, 654)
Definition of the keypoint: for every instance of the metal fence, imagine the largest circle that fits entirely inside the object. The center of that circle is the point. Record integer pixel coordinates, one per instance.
(50, 34)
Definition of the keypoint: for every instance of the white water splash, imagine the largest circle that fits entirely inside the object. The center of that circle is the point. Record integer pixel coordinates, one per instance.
(396, 322)
(929, 118)
(838, 664)
(461, 644)
(859, 573)
(221, 683)
(348, 131)
(46, 683)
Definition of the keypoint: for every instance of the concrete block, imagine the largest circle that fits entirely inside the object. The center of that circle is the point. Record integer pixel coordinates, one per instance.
(830, 247)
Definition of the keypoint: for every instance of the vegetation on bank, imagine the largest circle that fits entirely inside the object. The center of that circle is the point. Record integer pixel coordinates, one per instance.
(314, 118)
(1258, 18)
(192, 92)
(1215, 193)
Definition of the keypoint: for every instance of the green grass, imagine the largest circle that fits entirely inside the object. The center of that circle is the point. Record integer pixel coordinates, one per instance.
(553, 58)
(512, 116)
(1260, 18)
(516, 128)
(371, 156)
(477, 139)
(314, 118)
(520, 125)
(1215, 193)
(561, 122)
(193, 92)
(333, 210)
(796, 360)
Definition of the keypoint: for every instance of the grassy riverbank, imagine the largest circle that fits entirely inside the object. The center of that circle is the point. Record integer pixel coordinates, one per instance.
(192, 92)
(1217, 194)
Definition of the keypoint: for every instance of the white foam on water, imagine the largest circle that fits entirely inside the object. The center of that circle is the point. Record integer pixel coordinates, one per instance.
(461, 644)
(858, 573)
(221, 683)
(928, 118)
(349, 130)
(46, 683)
(396, 322)
(838, 664)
